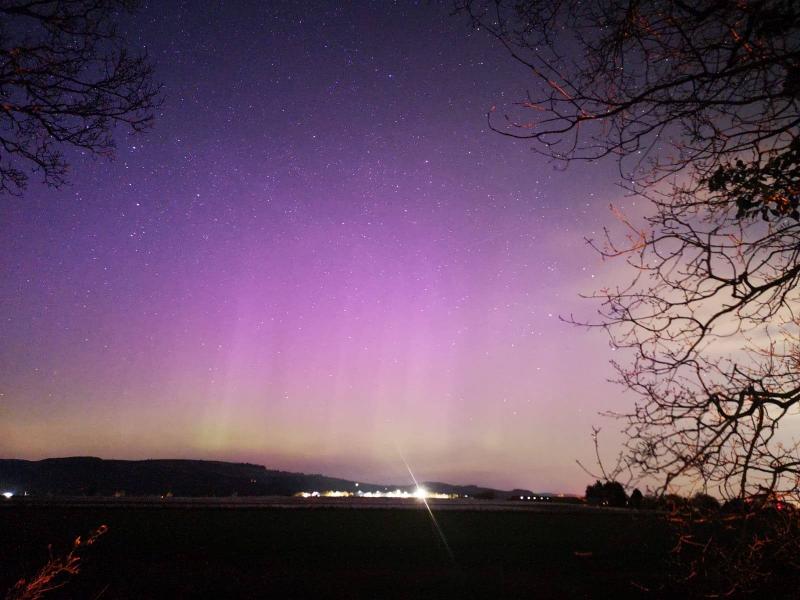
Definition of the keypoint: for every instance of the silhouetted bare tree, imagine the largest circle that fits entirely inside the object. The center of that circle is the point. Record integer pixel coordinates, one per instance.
(66, 79)
(699, 102)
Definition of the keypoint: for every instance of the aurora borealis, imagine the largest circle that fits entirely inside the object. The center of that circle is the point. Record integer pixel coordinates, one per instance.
(318, 255)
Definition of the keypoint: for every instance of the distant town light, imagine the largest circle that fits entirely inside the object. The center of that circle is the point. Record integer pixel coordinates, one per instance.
(7, 495)
(420, 493)
(336, 494)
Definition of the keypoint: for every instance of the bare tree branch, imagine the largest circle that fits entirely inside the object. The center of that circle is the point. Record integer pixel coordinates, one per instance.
(700, 104)
(66, 80)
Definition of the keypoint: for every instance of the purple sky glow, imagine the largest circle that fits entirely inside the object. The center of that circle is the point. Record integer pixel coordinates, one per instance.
(320, 254)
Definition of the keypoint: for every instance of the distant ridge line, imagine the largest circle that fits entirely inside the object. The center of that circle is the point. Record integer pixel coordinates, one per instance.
(94, 476)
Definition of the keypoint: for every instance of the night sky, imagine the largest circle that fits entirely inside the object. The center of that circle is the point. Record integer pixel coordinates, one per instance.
(319, 255)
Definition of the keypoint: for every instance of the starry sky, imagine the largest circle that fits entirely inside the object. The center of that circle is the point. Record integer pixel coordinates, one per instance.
(318, 257)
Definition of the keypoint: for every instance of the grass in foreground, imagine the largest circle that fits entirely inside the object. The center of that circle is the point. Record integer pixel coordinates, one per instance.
(332, 553)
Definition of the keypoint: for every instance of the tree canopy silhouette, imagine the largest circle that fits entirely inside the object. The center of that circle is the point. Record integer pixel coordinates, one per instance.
(609, 493)
(66, 80)
(699, 104)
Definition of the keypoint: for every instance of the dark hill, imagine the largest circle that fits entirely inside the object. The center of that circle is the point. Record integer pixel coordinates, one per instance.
(90, 476)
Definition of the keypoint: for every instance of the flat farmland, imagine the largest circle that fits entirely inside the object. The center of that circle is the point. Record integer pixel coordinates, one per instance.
(337, 548)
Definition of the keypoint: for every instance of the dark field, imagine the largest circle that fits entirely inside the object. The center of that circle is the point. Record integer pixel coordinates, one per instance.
(249, 552)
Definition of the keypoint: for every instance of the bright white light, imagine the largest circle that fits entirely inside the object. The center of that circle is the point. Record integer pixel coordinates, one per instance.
(7, 494)
(419, 493)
